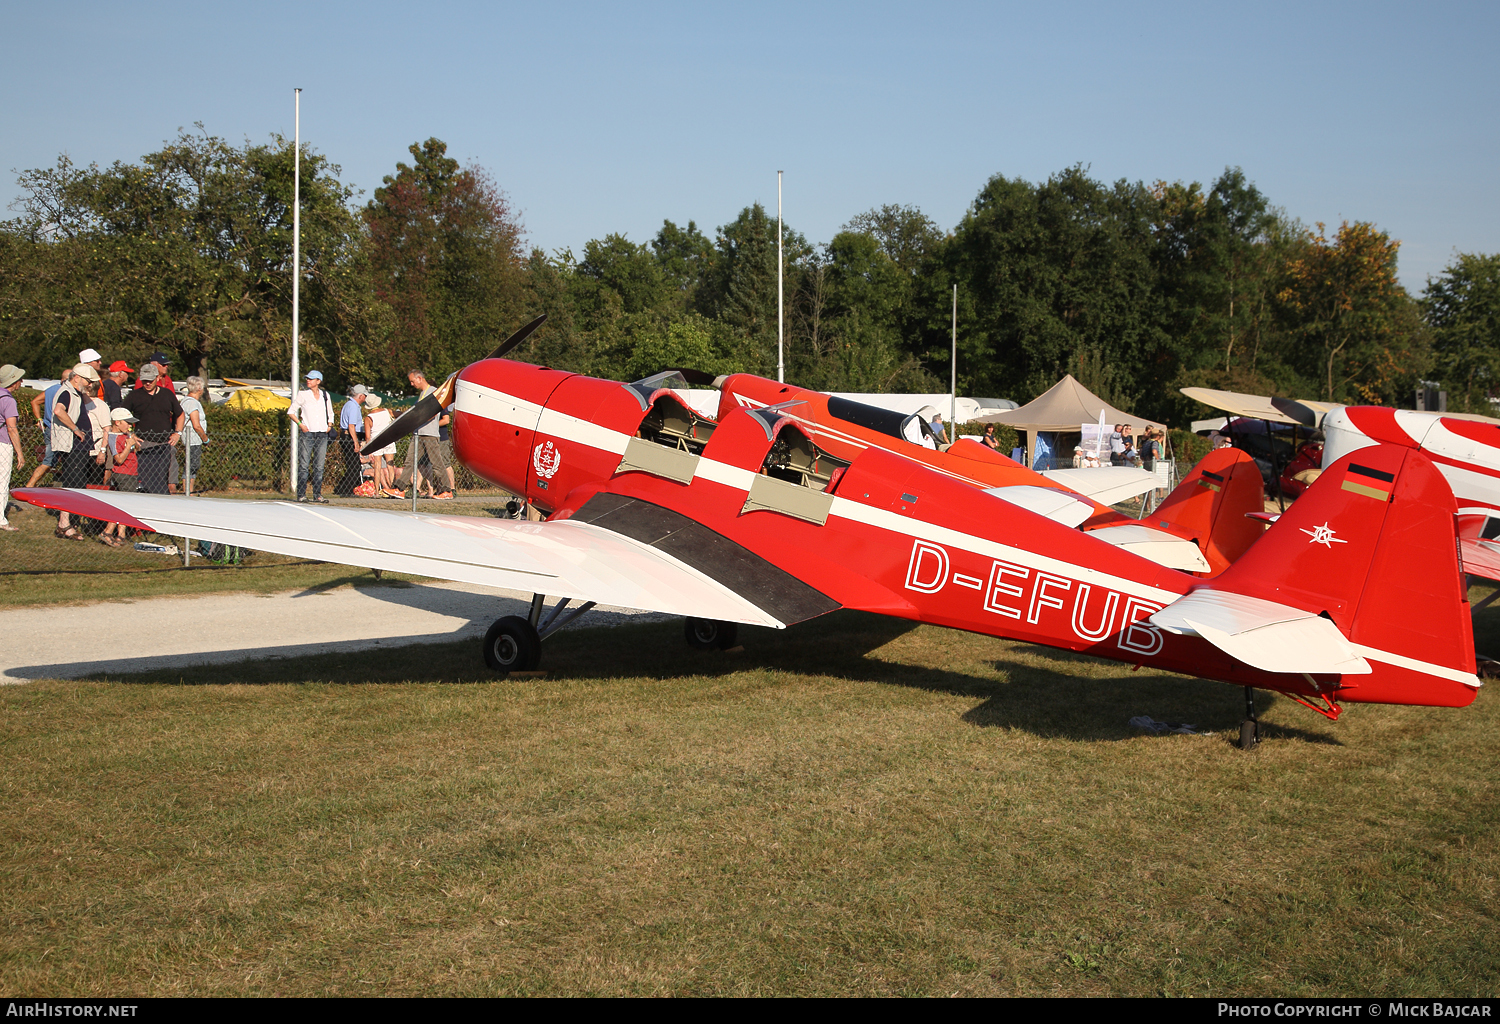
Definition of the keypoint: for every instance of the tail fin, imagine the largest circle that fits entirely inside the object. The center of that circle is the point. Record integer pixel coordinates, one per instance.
(1209, 507)
(1373, 547)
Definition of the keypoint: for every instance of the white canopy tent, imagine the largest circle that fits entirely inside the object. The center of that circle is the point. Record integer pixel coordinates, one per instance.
(1064, 407)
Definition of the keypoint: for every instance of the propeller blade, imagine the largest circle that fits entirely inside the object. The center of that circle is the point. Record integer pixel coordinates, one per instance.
(413, 418)
(407, 423)
(444, 392)
(517, 338)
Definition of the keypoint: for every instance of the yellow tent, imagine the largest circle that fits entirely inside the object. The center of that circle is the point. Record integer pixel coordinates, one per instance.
(256, 398)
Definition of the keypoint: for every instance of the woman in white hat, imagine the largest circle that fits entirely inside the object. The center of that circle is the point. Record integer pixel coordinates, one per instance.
(75, 439)
(376, 420)
(11, 454)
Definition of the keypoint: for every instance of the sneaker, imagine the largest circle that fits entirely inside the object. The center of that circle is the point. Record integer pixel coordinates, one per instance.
(448, 495)
(302, 501)
(398, 495)
(321, 500)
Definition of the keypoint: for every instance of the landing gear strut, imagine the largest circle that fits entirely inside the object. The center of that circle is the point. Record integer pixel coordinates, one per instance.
(514, 644)
(708, 634)
(1250, 727)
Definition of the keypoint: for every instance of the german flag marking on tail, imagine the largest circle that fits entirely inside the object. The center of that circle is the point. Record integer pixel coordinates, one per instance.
(1213, 481)
(1372, 483)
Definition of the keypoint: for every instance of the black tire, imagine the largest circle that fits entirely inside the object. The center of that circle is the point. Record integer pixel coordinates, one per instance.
(1249, 734)
(710, 634)
(511, 645)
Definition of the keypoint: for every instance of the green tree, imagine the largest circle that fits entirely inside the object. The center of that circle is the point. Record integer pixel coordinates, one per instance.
(446, 258)
(618, 276)
(1462, 307)
(1215, 260)
(1356, 328)
(188, 251)
(686, 256)
(740, 286)
(907, 236)
(691, 340)
(1045, 271)
(851, 299)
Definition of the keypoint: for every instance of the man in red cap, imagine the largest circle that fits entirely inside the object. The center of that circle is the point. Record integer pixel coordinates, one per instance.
(114, 384)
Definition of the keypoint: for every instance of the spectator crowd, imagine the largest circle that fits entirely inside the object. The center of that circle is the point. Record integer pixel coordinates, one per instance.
(101, 430)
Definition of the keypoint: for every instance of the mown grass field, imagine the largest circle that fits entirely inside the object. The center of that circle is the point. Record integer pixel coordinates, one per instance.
(853, 806)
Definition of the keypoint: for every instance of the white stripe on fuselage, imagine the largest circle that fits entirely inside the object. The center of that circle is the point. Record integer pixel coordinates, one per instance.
(488, 402)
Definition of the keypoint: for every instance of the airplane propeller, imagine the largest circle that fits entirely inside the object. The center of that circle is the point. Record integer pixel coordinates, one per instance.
(516, 339)
(412, 419)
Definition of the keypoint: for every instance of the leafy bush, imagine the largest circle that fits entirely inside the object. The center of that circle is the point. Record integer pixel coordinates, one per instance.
(1187, 447)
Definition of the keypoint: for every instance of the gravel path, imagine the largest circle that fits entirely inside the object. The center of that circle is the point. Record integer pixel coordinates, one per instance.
(170, 632)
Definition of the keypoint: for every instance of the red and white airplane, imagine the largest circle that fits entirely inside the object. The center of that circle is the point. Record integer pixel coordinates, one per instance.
(1465, 450)
(749, 520)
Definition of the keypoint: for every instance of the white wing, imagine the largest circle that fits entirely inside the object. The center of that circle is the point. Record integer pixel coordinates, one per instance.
(572, 559)
(1107, 484)
(1062, 506)
(1157, 545)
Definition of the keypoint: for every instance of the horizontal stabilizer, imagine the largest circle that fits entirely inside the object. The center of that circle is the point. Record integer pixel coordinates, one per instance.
(1060, 506)
(566, 559)
(1107, 485)
(1263, 634)
(1156, 545)
(1481, 558)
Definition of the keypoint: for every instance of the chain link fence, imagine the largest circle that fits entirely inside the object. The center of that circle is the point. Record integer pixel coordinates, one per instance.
(260, 465)
(246, 466)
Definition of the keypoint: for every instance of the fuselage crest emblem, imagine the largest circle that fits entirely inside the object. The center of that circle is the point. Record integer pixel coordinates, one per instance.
(546, 460)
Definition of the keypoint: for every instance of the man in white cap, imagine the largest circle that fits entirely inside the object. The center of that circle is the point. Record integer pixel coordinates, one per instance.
(11, 454)
(312, 411)
(92, 358)
(351, 436)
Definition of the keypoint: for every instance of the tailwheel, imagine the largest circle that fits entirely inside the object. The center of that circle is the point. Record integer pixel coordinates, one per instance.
(1250, 727)
(512, 645)
(708, 634)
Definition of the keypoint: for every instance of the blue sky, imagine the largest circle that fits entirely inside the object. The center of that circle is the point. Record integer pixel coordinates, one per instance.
(610, 117)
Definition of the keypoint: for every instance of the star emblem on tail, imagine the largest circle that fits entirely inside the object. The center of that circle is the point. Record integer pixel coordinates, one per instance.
(1324, 536)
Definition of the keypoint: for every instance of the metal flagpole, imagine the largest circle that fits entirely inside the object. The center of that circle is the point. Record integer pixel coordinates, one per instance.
(296, 271)
(780, 318)
(953, 380)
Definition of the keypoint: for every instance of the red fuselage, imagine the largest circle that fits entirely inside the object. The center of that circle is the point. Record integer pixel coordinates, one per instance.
(886, 533)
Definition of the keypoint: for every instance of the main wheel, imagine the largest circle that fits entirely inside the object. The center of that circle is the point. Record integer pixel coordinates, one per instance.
(707, 634)
(511, 645)
(1249, 734)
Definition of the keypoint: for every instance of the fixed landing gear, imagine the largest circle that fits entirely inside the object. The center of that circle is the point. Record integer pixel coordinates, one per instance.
(514, 643)
(710, 634)
(1250, 727)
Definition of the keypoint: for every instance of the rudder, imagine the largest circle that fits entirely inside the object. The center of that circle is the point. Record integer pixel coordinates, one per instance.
(1209, 507)
(1373, 546)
